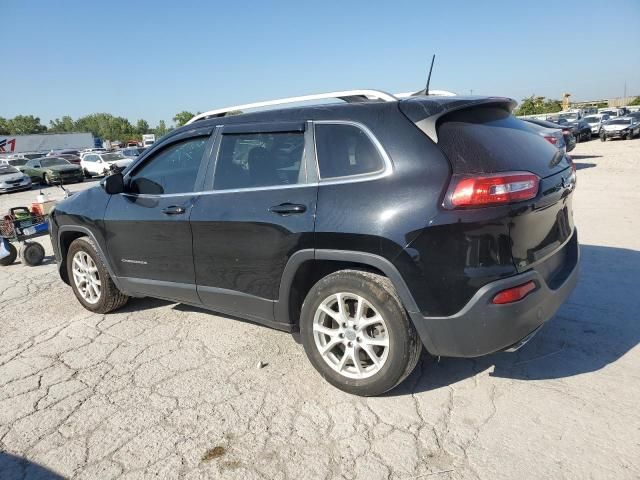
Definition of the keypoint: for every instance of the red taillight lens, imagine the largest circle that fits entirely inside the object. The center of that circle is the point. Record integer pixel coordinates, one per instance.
(497, 189)
(514, 294)
(551, 140)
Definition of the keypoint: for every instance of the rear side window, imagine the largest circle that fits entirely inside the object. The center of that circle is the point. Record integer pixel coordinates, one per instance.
(172, 170)
(250, 160)
(345, 150)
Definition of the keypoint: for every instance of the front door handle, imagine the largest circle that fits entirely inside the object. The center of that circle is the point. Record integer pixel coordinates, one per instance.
(173, 210)
(288, 209)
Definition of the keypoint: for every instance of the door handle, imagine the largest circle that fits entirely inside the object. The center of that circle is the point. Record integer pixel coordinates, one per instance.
(288, 208)
(173, 210)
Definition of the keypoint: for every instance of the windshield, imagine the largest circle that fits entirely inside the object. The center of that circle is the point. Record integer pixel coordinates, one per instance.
(8, 170)
(592, 119)
(622, 121)
(31, 156)
(53, 162)
(112, 157)
(18, 162)
(568, 116)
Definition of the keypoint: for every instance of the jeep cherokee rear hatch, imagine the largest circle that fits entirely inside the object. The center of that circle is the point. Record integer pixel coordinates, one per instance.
(497, 160)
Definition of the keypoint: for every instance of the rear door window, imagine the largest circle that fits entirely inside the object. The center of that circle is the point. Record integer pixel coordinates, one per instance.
(345, 150)
(253, 160)
(172, 170)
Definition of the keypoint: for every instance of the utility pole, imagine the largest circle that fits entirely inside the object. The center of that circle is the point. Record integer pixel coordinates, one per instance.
(625, 94)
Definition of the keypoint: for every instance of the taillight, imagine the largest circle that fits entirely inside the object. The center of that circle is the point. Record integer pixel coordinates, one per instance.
(550, 139)
(489, 190)
(514, 294)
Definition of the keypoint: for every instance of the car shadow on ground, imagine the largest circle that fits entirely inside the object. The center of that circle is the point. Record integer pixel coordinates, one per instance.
(584, 157)
(595, 327)
(582, 166)
(12, 466)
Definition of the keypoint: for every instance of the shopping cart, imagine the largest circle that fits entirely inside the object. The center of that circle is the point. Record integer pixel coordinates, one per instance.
(20, 226)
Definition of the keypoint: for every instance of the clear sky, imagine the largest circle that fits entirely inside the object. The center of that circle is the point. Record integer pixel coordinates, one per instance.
(151, 59)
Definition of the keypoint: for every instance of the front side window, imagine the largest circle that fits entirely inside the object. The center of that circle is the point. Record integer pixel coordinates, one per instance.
(171, 170)
(249, 160)
(345, 150)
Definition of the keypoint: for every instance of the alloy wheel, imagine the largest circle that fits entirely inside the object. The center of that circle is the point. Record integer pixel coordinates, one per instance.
(350, 335)
(86, 278)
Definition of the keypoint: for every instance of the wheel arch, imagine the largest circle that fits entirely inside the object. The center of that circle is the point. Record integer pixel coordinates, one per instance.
(306, 267)
(66, 235)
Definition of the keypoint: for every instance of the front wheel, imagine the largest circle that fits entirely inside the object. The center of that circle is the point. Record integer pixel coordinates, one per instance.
(357, 334)
(90, 278)
(46, 180)
(630, 136)
(603, 138)
(86, 173)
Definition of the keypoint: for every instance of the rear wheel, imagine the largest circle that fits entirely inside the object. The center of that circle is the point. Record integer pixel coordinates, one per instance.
(13, 254)
(32, 253)
(357, 334)
(86, 173)
(90, 278)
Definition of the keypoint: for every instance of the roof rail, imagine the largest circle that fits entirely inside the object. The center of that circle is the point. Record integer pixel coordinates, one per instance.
(432, 93)
(349, 96)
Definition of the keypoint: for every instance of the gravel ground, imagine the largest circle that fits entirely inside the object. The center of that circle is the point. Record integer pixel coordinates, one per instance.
(168, 391)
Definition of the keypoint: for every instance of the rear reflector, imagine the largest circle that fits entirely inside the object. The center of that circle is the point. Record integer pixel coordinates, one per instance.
(495, 189)
(514, 294)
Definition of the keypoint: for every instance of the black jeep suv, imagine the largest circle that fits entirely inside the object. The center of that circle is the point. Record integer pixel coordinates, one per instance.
(371, 227)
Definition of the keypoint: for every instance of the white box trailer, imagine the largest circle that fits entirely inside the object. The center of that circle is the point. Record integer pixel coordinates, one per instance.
(45, 142)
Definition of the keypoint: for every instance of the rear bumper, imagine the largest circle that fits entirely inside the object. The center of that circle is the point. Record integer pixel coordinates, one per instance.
(481, 327)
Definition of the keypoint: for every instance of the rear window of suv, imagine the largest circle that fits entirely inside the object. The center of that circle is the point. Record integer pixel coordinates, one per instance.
(251, 160)
(344, 150)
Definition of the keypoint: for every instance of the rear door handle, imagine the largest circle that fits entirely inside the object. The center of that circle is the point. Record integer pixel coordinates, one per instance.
(288, 209)
(173, 210)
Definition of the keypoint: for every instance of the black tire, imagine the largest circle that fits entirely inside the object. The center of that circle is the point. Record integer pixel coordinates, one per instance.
(603, 138)
(86, 174)
(45, 179)
(110, 297)
(630, 136)
(13, 254)
(31, 254)
(404, 344)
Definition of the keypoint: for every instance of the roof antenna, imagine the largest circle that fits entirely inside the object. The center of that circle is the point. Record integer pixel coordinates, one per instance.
(426, 89)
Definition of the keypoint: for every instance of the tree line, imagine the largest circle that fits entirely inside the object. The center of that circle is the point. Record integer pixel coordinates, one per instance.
(102, 125)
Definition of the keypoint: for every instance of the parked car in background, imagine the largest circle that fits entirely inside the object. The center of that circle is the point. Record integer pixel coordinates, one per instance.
(53, 170)
(96, 164)
(612, 112)
(148, 139)
(131, 152)
(595, 122)
(621, 127)
(553, 133)
(580, 129)
(56, 153)
(26, 155)
(12, 179)
(91, 150)
(279, 225)
(75, 159)
(14, 162)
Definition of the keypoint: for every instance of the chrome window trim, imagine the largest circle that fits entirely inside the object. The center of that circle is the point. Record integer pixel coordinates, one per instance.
(385, 171)
(364, 177)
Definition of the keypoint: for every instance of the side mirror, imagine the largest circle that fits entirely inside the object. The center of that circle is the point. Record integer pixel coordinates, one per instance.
(114, 184)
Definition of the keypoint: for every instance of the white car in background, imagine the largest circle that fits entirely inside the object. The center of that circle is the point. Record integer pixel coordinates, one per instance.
(95, 164)
(595, 122)
(620, 127)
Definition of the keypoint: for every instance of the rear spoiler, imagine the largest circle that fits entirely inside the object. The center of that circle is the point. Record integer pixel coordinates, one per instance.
(426, 111)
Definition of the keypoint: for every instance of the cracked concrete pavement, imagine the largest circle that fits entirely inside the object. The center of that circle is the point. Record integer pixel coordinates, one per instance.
(168, 391)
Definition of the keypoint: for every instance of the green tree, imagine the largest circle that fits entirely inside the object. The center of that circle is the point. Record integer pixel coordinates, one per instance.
(161, 129)
(635, 101)
(4, 126)
(25, 125)
(142, 127)
(182, 117)
(106, 126)
(64, 124)
(538, 105)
